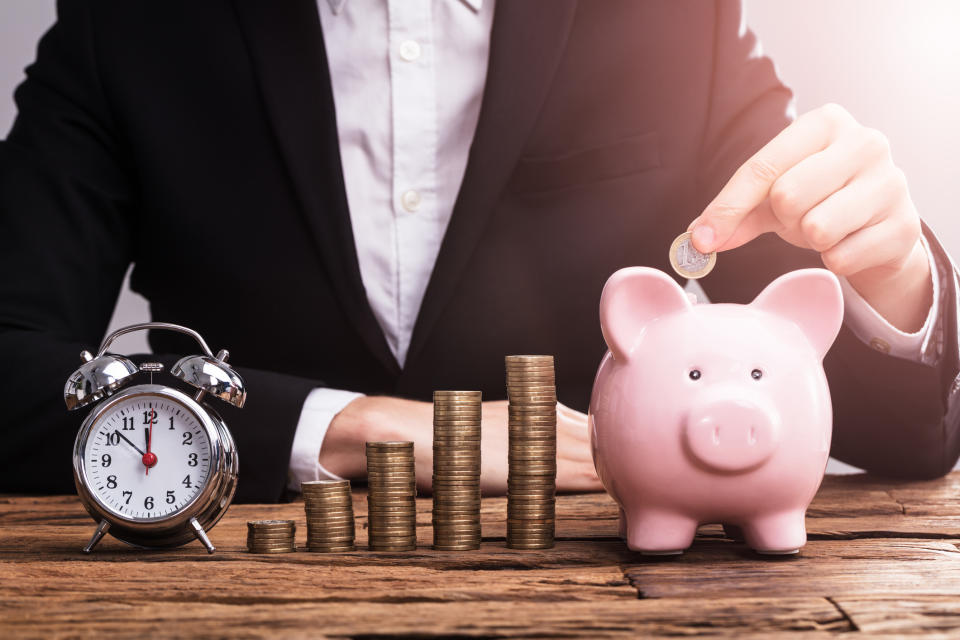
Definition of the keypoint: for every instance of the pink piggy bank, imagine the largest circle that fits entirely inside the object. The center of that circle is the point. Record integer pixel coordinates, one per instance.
(713, 412)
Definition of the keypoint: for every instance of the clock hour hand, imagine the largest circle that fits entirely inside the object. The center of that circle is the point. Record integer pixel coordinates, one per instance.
(128, 442)
(149, 458)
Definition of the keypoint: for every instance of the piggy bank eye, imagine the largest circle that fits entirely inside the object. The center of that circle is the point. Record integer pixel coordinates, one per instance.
(756, 374)
(694, 374)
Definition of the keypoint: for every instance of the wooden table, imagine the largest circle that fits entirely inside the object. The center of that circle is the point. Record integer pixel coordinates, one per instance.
(883, 558)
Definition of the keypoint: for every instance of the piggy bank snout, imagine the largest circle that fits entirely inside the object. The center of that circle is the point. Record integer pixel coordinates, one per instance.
(731, 435)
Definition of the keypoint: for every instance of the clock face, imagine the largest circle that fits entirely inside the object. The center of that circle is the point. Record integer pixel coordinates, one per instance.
(147, 457)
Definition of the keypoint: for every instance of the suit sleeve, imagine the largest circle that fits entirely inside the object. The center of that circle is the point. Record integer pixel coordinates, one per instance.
(892, 416)
(68, 213)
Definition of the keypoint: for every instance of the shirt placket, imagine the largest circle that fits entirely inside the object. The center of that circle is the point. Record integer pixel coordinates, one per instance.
(414, 115)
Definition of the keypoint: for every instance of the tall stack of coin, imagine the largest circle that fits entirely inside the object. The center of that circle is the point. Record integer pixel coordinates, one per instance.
(392, 501)
(271, 536)
(329, 507)
(532, 475)
(456, 470)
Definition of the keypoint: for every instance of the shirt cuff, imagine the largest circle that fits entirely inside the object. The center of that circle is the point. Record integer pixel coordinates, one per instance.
(873, 329)
(319, 409)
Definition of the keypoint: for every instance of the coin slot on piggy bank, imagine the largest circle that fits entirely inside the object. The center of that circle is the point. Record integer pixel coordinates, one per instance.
(714, 413)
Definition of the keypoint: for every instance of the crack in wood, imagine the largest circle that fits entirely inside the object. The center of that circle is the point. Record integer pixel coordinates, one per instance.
(879, 535)
(903, 508)
(844, 614)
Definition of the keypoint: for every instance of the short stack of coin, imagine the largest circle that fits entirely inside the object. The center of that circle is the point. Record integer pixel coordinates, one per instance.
(392, 501)
(271, 536)
(456, 470)
(532, 475)
(329, 507)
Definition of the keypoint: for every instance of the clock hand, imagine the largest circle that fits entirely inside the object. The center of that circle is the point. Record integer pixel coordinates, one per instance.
(150, 458)
(138, 450)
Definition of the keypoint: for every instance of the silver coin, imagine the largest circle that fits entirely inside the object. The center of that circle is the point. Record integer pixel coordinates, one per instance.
(687, 261)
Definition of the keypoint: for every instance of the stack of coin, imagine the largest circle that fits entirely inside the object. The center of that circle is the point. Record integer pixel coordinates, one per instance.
(532, 475)
(271, 536)
(392, 501)
(456, 470)
(329, 507)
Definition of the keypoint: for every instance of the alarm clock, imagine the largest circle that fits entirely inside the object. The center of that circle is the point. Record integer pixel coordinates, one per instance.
(153, 465)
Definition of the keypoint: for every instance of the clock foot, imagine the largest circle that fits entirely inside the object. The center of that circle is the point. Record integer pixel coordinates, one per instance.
(202, 535)
(101, 531)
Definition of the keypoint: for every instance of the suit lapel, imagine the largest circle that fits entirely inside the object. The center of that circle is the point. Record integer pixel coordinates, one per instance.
(286, 45)
(526, 43)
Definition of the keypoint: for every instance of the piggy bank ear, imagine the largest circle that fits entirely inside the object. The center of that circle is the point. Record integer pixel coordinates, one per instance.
(631, 299)
(810, 298)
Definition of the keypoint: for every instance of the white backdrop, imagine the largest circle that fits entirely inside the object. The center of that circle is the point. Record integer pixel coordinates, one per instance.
(894, 64)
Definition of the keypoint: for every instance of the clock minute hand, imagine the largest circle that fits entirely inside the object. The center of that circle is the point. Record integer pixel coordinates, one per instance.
(149, 458)
(128, 442)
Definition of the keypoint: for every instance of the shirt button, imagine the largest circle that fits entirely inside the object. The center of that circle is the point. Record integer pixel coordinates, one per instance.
(880, 345)
(409, 50)
(410, 200)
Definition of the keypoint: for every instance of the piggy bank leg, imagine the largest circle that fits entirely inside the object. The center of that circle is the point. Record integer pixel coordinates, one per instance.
(776, 533)
(659, 532)
(622, 525)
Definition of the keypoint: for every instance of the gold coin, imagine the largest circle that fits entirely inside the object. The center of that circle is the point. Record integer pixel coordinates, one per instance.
(310, 495)
(527, 358)
(277, 542)
(315, 525)
(270, 535)
(339, 505)
(687, 261)
(469, 546)
(328, 484)
(530, 546)
(332, 549)
(331, 536)
(263, 524)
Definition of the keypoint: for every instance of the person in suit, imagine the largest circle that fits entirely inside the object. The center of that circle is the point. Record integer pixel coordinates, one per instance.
(367, 200)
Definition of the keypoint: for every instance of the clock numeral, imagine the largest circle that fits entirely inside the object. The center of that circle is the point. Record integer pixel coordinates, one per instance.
(105, 460)
(128, 494)
(192, 460)
(186, 482)
(149, 417)
(148, 502)
(170, 497)
(111, 482)
(113, 438)
(171, 423)
(187, 438)
(128, 423)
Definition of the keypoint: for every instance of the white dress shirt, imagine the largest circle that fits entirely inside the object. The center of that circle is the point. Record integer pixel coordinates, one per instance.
(408, 78)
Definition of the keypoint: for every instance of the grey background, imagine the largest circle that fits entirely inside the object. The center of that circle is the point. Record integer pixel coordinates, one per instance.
(893, 64)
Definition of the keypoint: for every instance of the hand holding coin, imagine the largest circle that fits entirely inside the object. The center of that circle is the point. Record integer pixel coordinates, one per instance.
(829, 184)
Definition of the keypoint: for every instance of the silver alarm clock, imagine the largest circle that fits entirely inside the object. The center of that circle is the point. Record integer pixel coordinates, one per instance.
(154, 466)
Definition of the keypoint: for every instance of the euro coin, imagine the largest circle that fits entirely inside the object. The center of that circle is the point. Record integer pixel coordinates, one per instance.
(687, 261)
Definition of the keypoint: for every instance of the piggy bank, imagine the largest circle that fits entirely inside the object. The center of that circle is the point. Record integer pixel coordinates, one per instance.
(713, 413)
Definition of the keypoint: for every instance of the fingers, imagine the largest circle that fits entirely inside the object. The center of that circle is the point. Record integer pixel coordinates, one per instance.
(761, 220)
(752, 182)
(866, 201)
(814, 178)
(573, 437)
(885, 244)
(573, 476)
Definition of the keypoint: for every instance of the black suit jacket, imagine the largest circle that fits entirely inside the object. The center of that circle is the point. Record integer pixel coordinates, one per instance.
(198, 140)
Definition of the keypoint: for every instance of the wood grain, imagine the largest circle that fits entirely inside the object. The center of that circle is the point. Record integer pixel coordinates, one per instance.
(883, 559)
